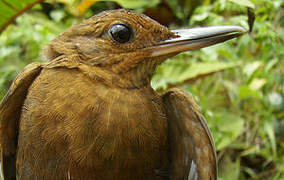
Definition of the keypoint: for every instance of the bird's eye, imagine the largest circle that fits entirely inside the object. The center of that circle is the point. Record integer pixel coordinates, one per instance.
(120, 33)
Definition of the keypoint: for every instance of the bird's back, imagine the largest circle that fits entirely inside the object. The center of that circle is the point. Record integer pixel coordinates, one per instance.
(74, 127)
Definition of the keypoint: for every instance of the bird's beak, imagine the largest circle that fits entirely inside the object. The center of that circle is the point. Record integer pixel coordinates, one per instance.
(196, 38)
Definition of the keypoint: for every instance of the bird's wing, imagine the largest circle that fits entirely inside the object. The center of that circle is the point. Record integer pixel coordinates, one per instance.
(192, 150)
(10, 110)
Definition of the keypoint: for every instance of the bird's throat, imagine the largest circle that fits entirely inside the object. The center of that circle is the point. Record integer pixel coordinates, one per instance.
(140, 75)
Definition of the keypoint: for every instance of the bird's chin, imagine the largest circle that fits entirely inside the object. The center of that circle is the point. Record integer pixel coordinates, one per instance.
(192, 39)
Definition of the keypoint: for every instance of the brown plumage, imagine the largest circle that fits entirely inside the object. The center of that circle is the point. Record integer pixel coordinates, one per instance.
(90, 112)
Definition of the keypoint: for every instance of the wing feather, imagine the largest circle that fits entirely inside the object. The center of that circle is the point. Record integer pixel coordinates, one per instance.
(192, 150)
(10, 110)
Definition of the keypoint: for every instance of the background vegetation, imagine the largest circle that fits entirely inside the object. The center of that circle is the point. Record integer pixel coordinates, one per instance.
(239, 84)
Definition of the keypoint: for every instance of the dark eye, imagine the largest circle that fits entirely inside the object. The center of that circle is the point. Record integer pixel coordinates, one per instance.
(120, 33)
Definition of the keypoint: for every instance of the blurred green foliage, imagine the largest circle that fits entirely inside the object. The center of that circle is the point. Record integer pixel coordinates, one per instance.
(243, 103)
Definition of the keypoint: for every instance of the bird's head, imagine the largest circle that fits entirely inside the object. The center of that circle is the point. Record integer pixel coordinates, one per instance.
(131, 45)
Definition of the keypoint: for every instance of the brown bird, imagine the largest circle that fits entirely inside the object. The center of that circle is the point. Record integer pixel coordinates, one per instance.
(90, 112)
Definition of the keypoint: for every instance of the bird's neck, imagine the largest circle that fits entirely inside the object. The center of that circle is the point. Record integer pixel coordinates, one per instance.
(140, 75)
(124, 76)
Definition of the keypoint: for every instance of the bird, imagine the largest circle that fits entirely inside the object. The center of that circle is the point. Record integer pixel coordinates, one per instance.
(89, 111)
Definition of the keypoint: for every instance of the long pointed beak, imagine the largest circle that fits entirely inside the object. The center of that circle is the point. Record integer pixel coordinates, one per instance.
(196, 38)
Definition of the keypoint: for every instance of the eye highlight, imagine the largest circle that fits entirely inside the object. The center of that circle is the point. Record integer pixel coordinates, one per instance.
(120, 33)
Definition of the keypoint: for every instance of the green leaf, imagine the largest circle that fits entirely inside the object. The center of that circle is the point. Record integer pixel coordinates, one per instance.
(229, 169)
(250, 68)
(229, 126)
(257, 83)
(245, 3)
(11, 9)
(271, 135)
(250, 150)
(246, 92)
(133, 4)
(177, 72)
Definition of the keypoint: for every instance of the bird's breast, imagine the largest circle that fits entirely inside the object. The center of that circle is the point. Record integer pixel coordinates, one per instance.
(93, 125)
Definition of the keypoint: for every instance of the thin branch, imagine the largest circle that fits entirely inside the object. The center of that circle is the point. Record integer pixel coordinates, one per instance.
(10, 20)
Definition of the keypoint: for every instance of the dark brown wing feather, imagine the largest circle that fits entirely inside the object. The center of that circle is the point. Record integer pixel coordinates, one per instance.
(192, 150)
(10, 110)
